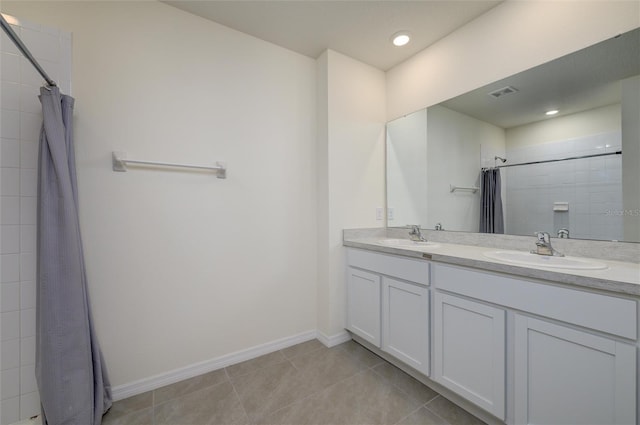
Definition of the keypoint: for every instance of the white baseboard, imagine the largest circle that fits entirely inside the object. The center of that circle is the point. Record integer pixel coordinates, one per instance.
(147, 384)
(333, 340)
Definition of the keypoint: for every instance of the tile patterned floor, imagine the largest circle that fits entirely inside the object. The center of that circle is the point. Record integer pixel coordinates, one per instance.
(304, 384)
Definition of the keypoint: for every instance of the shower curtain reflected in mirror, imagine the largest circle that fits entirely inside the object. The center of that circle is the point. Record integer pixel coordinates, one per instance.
(72, 380)
(491, 215)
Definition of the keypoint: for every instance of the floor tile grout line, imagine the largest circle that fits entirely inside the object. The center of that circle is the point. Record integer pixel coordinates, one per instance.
(111, 412)
(154, 401)
(235, 391)
(187, 394)
(362, 367)
(153, 407)
(428, 402)
(319, 391)
(444, 421)
(409, 414)
(284, 358)
(437, 394)
(269, 396)
(363, 370)
(426, 406)
(242, 375)
(376, 365)
(303, 353)
(355, 357)
(181, 398)
(293, 365)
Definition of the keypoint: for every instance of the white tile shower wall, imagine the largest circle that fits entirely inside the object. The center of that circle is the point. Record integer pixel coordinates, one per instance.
(19, 134)
(591, 186)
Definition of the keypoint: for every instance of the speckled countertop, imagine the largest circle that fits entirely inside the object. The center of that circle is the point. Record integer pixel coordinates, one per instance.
(620, 276)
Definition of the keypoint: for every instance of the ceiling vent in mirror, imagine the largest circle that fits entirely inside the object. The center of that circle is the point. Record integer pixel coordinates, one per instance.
(503, 91)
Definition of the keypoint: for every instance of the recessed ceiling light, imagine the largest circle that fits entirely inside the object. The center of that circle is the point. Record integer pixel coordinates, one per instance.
(400, 38)
(551, 112)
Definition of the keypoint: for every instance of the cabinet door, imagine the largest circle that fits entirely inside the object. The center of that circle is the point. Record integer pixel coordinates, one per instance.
(469, 351)
(565, 376)
(405, 319)
(363, 305)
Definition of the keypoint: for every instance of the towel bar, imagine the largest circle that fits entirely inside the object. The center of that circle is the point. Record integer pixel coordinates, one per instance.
(120, 164)
(453, 188)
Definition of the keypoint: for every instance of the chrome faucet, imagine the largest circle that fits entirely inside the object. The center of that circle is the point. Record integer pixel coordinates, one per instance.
(415, 234)
(563, 233)
(543, 245)
(439, 226)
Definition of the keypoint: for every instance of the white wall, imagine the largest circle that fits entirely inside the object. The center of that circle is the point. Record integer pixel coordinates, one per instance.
(407, 169)
(467, 140)
(585, 123)
(511, 37)
(352, 176)
(20, 131)
(184, 267)
(322, 192)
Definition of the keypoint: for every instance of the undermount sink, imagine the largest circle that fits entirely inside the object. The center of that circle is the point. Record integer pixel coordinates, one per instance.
(407, 243)
(529, 259)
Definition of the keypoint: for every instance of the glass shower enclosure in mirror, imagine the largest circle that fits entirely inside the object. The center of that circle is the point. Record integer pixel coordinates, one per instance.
(575, 173)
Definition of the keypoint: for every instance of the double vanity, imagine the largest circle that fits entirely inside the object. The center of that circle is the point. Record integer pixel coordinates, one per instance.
(523, 337)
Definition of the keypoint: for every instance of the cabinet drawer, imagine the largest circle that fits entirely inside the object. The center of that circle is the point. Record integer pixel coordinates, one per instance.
(400, 267)
(616, 316)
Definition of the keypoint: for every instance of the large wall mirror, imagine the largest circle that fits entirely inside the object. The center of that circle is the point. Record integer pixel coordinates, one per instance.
(572, 173)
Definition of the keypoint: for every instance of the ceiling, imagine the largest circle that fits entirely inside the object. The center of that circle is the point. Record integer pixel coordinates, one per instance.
(583, 80)
(360, 29)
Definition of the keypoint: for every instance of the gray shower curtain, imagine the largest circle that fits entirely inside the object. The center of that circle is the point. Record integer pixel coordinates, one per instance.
(72, 380)
(491, 217)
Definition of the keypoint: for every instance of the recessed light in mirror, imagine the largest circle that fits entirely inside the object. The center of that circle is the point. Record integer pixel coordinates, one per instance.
(400, 38)
(551, 112)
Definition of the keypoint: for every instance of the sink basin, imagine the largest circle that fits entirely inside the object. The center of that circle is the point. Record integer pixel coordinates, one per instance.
(528, 259)
(407, 243)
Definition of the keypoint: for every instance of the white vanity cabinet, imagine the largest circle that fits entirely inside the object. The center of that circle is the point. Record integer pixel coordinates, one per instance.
(522, 349)
(574, 352)
(388, 304)
(469, 350)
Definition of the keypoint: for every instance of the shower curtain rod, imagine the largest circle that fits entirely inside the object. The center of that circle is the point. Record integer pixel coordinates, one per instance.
(27, 54)
(555, 160)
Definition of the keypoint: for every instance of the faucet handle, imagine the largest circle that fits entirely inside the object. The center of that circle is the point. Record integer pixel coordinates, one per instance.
(415, 234)
(544, 245)
(543, 237)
